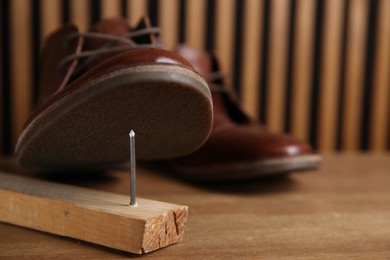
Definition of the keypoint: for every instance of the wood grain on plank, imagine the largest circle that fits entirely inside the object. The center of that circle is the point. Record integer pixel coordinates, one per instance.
(94, 216)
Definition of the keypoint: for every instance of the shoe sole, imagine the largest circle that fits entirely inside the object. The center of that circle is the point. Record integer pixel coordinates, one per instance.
(249, 170)
(168, 106)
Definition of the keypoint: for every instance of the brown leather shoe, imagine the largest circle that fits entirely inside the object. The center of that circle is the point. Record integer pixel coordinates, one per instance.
(238, 147)
(97, 86)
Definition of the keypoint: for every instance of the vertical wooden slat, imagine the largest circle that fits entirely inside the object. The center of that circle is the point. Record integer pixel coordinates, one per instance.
(330, 70)
(277, 63)
(80, 13)
(110, 8)
(195, 22)
(51, 17)
(224, 34)
(252, 45)
(381, 82)
(21, 90)
(355, 53)
(169, 22)
(302, 67)
(135, 10)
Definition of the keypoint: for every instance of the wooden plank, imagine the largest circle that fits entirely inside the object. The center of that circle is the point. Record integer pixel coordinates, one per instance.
(80, 13)
(136, 9)
(94, 216)
(330, 74)
(354, 74)
(379, 130)
(302, 67)
(110, 8)
(195, 23)
(50, 18)
(277, 64)
(224, 33)
(169, 22)
(21, 89)
(251, 56)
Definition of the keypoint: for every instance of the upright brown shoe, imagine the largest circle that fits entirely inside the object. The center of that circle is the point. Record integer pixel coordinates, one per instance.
(238, 147)
(96, 86)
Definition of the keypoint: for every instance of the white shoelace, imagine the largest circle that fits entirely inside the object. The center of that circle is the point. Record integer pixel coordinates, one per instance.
(218, 87)
(125, 38)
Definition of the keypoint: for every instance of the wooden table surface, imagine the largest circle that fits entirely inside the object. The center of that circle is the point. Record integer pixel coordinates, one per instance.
(341, 211)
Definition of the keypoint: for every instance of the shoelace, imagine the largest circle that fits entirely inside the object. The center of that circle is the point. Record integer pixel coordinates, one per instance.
(107, 48)
(218, 87)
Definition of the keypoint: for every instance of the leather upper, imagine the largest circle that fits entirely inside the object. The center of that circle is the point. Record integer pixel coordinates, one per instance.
(57, 82)
(235, 137)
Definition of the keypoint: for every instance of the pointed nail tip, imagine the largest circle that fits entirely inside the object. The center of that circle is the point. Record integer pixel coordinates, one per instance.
(132, 133)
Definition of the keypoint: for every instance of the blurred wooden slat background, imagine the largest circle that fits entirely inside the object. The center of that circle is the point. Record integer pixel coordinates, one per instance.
(380, 114)
(354, 77)
(331, 53)
(316, 68)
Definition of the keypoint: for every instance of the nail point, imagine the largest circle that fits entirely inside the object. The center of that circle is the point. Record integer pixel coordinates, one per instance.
(132, 133)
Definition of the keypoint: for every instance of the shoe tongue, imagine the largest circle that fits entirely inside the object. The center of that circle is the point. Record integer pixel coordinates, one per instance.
(200, 59)
(113, 26)
(118, 27)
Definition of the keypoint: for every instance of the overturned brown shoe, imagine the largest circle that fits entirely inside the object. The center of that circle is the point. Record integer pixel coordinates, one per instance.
(97, 86)
(238, 147)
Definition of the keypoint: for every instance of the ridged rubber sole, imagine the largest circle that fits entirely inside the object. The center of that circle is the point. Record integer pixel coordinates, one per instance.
(249, 170)
(168, 107)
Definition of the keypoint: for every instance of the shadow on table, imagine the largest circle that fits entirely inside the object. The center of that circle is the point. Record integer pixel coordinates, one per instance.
(269, 184)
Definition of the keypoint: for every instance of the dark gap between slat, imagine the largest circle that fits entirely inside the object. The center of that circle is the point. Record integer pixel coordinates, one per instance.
(65, 11)
(210, 26)
(290, 58)
(95, 11)
(264, 61)
(6, 73)
(123, 10)
(316, 79)
(153, 12)
(341, 88)
(237, 48)
(36, 43)
(182, 20)
(369, 75)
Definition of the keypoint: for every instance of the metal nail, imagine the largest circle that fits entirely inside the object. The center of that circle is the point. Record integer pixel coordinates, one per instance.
(133, 201)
